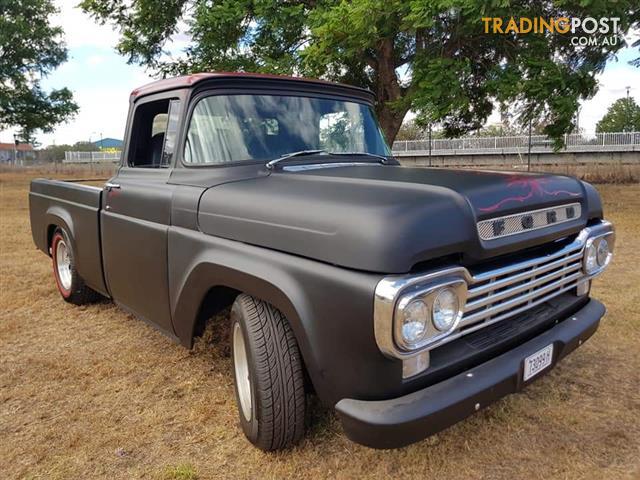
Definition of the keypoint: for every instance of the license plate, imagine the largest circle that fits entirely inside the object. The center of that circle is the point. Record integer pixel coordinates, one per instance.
(537, 362)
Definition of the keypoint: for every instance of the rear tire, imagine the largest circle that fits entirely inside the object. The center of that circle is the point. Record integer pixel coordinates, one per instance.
(268, 375)
(69, 283)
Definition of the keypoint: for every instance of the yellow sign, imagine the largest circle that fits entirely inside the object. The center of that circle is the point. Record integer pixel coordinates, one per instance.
(579, 28)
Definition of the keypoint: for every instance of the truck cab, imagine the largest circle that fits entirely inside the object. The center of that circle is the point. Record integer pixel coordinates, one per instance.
(405, 298)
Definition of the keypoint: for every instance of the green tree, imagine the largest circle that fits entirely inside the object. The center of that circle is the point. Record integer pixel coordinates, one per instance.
(411, 131)
(623, 116)
(499, 130)
(30, 48)
(429, 56)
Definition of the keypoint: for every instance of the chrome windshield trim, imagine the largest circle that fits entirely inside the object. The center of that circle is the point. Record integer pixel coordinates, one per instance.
(479, 311)
(317, 166)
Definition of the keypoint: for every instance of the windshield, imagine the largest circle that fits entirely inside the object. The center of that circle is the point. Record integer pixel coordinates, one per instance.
(231, 128)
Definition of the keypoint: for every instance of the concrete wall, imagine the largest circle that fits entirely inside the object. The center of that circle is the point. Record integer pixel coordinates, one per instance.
(515, 160)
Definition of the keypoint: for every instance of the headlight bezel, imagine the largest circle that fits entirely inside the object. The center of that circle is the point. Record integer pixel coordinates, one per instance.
(592, 244)
(427, 294)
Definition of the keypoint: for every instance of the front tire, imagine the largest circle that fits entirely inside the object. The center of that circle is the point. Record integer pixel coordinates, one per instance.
(69, 283)
(268, 375)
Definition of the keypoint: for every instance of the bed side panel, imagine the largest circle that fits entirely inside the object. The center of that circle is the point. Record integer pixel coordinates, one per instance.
(76, 208)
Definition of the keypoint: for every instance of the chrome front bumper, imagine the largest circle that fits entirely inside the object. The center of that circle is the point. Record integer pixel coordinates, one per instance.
(403, 420)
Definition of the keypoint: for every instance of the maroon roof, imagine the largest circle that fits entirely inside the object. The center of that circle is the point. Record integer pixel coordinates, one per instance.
(21, 147)
(186, 81)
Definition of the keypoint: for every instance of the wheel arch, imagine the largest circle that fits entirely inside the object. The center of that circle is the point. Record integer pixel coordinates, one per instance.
(58, 218)
(329, 308)
(210, 287)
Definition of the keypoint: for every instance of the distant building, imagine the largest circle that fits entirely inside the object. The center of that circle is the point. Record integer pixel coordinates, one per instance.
(11, 153)
(108, 143)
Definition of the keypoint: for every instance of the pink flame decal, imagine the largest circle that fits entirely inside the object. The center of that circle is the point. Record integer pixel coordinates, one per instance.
(536, 189)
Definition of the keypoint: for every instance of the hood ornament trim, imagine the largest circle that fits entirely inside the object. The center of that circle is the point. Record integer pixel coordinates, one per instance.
(507, 225)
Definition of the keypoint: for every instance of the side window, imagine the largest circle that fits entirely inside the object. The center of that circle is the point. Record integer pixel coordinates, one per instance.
(172, 131)
(155, 126)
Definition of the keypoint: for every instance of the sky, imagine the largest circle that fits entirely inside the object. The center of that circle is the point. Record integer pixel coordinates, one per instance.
(101, 81)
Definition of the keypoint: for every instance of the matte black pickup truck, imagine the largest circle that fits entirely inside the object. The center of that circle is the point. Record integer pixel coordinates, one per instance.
(405, 298)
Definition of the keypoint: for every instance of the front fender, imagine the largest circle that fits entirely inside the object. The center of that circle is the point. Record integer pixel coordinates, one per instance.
(330, 309)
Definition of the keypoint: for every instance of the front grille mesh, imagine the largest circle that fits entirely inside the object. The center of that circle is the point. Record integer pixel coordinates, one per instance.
(527, 221)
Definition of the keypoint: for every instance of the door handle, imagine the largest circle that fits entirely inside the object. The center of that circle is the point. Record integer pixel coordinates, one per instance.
(110, 186)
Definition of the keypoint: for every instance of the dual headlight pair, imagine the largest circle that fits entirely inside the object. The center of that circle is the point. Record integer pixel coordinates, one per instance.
(425, 316)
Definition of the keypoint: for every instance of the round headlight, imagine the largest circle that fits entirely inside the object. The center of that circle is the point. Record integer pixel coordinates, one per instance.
(602, 252)
(590, 258)
(414, 322)
(446, 307)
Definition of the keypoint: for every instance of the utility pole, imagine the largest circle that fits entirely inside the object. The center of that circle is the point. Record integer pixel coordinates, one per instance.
(101, 156)
(429, 144)
(15, 149)
(92, 146)
(627, 111)
(529, 152)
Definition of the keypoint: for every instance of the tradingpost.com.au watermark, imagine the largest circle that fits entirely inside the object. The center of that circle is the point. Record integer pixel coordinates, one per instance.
(582, 30)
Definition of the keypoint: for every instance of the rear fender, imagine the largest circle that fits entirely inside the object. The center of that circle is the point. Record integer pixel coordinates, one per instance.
(59, 217)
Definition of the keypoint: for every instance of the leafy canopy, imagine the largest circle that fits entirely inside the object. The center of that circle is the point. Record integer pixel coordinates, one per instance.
(411, 131)
(30, 48)
(623, 116)
(430, 56)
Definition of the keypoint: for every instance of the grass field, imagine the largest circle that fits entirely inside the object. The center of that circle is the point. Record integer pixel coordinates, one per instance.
(90, 392)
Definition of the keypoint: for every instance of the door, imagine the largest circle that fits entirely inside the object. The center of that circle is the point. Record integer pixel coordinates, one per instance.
(136, 215)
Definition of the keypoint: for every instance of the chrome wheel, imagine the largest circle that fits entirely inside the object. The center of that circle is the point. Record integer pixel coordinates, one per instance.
(63, 264)
(241, 368)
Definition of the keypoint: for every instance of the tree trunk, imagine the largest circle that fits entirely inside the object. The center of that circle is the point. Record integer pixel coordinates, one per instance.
(388, 91)
(390, 121)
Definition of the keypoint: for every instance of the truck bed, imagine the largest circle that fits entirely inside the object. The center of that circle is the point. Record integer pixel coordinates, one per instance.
(75, 207)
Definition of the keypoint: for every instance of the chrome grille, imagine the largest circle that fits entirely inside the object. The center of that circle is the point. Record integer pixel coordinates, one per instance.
(497, 294)
(527, 221)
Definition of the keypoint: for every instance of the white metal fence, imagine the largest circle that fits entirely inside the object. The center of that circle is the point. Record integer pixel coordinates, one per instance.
(91, 157)
(622, 141)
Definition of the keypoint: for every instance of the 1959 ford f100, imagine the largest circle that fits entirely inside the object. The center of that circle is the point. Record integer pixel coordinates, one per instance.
(405, 298)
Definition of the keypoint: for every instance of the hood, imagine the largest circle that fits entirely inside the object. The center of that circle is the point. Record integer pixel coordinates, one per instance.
(388, 218)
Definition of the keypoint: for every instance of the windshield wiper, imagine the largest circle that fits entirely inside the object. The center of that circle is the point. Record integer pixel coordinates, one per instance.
(272, 163)
(382, 158)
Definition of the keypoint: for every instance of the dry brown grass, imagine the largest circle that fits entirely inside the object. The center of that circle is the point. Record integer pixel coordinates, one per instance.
(598, 173)
(611, 173)
(90, 392)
